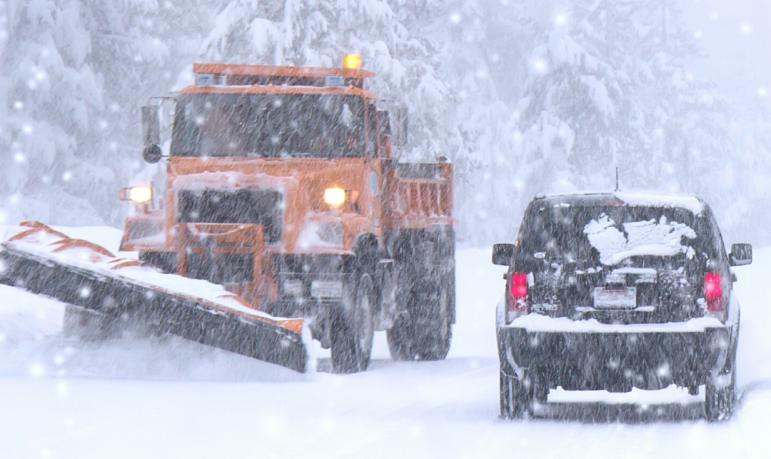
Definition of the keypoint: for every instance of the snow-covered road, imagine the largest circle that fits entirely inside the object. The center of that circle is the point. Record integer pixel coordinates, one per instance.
(171, 398)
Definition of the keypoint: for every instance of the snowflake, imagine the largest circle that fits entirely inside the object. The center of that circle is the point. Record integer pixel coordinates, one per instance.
(539, 65)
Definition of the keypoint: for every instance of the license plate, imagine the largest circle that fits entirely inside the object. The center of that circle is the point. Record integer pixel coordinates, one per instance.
(619, 298)
(326, 289)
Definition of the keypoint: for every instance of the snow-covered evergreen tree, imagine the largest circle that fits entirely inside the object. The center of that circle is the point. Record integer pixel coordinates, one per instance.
(607, 88)
(48, 97)
(72, 77)
(523, 96)
(319, 32)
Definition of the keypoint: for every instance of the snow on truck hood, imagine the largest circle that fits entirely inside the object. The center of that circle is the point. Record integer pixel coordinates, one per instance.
(660, 238)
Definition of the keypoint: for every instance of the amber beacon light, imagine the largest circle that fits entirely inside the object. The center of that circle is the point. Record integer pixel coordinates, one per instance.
(352, 61)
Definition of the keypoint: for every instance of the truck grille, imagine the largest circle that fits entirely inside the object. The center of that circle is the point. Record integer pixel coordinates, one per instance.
(261, 207)
(228, 268)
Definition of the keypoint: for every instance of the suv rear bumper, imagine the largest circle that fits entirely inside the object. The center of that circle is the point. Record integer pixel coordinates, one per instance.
(614, 361)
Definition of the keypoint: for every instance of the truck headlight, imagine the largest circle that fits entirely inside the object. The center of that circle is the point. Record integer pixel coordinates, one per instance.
(138, 194)
(334, 196)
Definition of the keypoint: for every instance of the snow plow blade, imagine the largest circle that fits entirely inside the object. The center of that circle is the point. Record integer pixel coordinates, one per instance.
(122, 293)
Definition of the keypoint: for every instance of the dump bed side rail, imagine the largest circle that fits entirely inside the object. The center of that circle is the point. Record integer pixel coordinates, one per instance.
(421, 195)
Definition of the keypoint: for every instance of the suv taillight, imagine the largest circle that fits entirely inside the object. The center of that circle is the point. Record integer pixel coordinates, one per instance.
(713, 295)
(516, 301)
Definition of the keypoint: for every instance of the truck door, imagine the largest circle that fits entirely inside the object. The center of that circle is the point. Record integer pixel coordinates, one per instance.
(374, 168)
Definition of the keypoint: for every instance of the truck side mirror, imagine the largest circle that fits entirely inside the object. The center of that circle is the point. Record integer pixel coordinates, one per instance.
(151, 134)
(152, 153)
(502, 254)
(385, 122)
(741, 254)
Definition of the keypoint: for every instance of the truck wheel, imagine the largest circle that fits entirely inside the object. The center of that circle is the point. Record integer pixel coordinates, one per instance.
(351, 338)
(428, 339)
(87, 325)
(400, 337)
(434, 342)
(719, 402)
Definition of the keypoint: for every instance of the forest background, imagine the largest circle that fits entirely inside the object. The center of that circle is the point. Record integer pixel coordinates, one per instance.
(523, 96)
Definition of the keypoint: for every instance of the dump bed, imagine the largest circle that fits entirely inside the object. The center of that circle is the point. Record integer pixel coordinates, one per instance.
(420, 195)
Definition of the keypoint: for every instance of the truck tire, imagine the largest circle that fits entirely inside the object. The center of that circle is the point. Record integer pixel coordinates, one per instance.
(352, 336)
(86, 325)
(719, 402)
(400, 337)
(434, 341)
(411, 338)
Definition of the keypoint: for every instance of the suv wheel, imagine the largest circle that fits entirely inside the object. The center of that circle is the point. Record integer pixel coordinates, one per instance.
(719, 402)
(516, 396)
(351, 338)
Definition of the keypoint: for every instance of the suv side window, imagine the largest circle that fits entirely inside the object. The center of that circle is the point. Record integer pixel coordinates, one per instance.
(716, 242)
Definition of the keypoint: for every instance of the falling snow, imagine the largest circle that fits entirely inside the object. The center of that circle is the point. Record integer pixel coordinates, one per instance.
(523, 97)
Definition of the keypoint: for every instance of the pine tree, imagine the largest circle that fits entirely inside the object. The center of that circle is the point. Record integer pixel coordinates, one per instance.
(608, 88)
(48, 96)
(73, 75)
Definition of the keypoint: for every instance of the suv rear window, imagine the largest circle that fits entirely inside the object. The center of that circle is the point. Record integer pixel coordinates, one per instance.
(595, 235)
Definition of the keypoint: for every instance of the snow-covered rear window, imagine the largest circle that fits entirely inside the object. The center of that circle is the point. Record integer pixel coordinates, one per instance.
(648, 237)
(597, 235)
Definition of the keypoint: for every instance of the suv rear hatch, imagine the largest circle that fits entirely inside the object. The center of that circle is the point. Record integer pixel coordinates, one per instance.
(604, 259)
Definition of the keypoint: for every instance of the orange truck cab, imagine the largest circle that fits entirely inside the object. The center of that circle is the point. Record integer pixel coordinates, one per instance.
(281, 185)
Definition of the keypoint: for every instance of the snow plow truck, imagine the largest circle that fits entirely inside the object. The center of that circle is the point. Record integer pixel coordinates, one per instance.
(281, 185)
(282, 210)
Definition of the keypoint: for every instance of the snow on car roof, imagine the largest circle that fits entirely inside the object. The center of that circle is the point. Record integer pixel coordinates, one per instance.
(630, 198)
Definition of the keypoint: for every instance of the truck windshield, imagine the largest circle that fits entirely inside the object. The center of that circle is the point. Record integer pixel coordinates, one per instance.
(269, 125)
